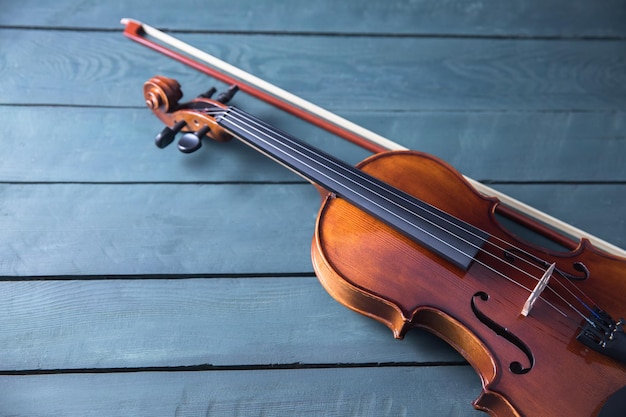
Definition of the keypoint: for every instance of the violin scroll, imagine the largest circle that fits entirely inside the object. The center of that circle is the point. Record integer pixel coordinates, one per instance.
(162, 92)
(195, 118)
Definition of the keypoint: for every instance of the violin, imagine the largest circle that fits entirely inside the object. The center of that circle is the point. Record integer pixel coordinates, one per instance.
(403, 238)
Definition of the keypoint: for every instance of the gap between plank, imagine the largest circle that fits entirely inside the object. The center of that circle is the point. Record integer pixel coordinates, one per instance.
(131, 277)
(213, 368)
(513, 36)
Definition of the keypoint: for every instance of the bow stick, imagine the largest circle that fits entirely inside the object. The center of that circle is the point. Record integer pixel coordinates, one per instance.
(514, 209)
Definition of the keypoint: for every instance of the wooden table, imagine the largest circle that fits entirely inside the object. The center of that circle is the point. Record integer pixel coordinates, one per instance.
(136, 281)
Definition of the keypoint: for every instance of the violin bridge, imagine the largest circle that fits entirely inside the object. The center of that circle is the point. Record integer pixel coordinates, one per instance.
(534, 295)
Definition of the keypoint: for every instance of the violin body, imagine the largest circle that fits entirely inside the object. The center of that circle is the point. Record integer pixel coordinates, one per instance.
(529, 366)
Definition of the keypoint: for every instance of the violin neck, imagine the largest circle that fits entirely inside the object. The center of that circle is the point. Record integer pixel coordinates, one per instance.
(446, 235)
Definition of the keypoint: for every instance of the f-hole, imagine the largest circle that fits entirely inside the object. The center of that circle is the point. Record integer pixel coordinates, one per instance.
(515, 367)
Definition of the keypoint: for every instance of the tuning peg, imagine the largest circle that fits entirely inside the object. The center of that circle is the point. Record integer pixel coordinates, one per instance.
(168, 134)
(191, 142)
(227, 95)
(209, 93)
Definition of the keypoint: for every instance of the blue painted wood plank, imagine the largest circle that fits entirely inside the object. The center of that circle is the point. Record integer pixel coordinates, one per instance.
(401, 391)
(597, 209)
(575, 18)
(363, 73)
(113, 229)
(156, 228)
(143, 323)
(116, 145)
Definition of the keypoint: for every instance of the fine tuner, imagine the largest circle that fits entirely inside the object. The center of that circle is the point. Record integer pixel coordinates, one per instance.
(195, 130)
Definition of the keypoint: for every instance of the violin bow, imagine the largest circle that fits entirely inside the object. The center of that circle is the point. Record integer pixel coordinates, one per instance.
(536, 220)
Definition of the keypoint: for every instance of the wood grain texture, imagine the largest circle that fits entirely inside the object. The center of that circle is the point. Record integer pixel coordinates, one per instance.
(423, 17)
(156, 229)
(116, 145)
(338, 73)
(233, 322)
(327, 392)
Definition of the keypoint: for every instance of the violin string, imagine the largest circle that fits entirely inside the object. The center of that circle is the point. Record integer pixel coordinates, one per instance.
(243, 115)
(240, 116)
